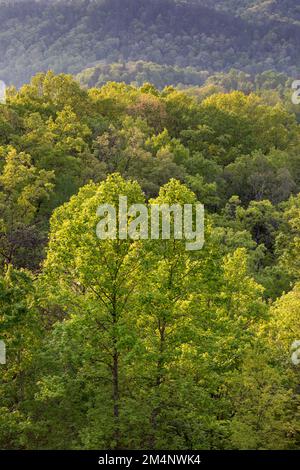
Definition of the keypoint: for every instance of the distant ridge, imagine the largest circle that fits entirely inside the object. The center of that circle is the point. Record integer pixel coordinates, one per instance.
(69, 36)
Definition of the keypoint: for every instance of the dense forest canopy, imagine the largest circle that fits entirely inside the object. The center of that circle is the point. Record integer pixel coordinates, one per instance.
(140, 72)
(134, 343)
(137, 344)
(255, 10)
(68, 36)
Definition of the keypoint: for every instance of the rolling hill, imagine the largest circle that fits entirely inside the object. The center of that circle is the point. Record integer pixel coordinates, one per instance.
(69, 36)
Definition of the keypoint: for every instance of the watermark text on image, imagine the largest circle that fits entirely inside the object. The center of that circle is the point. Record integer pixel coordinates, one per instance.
(296, 94)
(2, 353)
(154, 222)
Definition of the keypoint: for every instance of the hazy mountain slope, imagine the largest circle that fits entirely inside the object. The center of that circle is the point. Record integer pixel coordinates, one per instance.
(281, 10)
(69, 36)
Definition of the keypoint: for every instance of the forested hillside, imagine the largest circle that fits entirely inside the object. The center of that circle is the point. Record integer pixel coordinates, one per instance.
(142, 72)
(69, 36)
(137, 344)
(138, 73)
(259, 10)
(131, 343)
